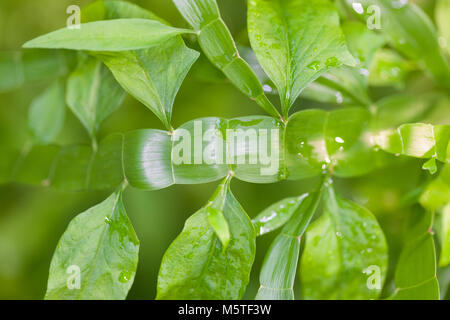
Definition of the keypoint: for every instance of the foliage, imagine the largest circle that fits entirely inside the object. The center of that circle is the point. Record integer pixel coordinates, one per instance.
(323, 54)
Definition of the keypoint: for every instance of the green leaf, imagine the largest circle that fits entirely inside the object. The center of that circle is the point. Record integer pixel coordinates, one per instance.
(295, 49)
(115, 9)
(444, 258)
(101, 245)
(362, 42)
(46, 114)
(395, 110)
(147, 159)
(218, 45)
(344, 86)
(92, 93)
(415, 277)
(111, 35)
(276, 215)
(389, 69)
(280, 263)
(442, 12)
(437, 192)
(153, 76)
(418, 140)
(417, 40)
(343, 248)
(18, 68)
(196, 266)
(214, 210)
(348, 85)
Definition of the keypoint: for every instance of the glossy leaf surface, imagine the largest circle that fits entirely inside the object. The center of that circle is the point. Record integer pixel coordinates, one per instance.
(276, 215)
(196, 266)
(97, 256)
(280, 263)
(296, 41)
(218, 45)
(345, 255)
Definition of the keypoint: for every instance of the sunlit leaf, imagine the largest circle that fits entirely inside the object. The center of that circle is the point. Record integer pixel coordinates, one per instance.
(97, 256)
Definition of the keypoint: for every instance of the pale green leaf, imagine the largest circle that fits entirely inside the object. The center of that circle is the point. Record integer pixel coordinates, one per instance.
(110, 35)
(296, 41)
(47, 113)
(92, 93)
(101, 247)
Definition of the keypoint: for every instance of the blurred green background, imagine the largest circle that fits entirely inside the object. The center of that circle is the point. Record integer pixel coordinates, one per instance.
(32, 218)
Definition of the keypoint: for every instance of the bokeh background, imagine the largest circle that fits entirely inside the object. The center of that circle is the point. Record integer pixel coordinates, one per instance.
(32, 219)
